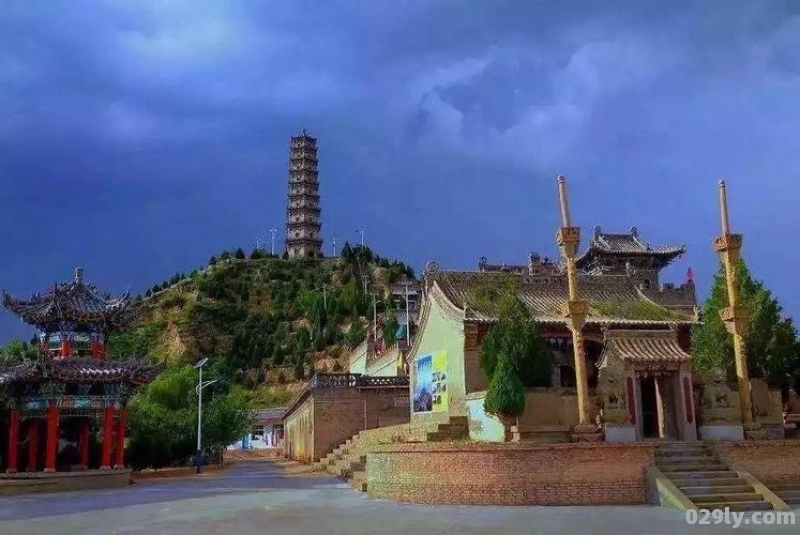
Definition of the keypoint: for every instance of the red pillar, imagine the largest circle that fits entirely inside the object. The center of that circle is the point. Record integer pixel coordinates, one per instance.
(108, 436)
(33, 445)
(83, 442)
(66, 346)
(122, 422)
(98, 349)
(13, 440)
(51, 451)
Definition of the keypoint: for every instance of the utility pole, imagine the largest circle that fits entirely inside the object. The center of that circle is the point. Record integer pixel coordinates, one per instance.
(361, 231)
(273, 232)
(408, 320)
(375, 316)
(365, 280)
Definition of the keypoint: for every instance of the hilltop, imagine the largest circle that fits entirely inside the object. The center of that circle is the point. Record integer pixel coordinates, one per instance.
(266, 322)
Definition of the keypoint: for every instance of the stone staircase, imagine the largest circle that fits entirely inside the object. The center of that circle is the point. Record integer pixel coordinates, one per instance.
(708, 482)
(348, 461)
(788, 492)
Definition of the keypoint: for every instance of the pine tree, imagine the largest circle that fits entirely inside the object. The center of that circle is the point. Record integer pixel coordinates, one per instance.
(516, 337)
(239, 254)
(773, 350)
(506, 395)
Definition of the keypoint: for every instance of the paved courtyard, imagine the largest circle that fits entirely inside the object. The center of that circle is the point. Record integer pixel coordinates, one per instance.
(258, 498)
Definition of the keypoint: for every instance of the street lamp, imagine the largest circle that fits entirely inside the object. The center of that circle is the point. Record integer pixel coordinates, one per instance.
(199, 391)
(272, 233)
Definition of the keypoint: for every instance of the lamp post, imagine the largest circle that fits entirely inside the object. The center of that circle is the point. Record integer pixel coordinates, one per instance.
(272, 233)
(361, 231)
(199, 391)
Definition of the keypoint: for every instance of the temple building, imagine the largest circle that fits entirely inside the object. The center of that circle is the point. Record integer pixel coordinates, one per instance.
(303, 221)
(66, 408)
(634, 322)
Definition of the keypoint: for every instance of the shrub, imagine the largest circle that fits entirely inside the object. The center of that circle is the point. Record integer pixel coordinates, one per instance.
(506, 395)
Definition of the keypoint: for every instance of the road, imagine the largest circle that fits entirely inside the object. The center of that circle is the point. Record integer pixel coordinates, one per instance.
(257, 498)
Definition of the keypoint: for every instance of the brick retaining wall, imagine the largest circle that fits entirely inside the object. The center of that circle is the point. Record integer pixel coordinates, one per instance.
(470, 473)
(772, 462)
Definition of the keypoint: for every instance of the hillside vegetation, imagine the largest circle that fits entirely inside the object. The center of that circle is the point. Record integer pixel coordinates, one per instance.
(265, 322)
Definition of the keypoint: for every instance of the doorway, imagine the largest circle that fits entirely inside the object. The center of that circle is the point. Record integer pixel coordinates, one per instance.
(649, 397)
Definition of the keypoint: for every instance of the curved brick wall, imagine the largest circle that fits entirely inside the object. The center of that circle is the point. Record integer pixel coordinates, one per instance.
(470, 473)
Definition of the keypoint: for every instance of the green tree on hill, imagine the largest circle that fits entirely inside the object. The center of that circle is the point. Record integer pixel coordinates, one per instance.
(356, 334)
(773, 350)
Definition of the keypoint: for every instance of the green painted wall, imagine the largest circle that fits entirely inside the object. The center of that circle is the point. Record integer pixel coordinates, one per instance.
(386, 366)
(358, 359)
(483, 426)
(441, 333)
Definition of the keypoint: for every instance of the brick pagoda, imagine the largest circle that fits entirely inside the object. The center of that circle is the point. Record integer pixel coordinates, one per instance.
(303, 222)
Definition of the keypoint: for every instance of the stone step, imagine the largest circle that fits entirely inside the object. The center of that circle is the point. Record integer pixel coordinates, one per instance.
(700, 490)
(738, 506)
(693, 467)
(722, 473)
(671, 454)
(731, 498)
(692, 459)
(787, 495)
(708, 482)
(785, 486)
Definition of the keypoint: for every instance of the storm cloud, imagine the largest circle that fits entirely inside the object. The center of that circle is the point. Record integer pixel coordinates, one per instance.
(139, 138)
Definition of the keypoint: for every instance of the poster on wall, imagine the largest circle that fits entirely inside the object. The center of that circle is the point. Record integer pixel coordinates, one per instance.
(430, 382)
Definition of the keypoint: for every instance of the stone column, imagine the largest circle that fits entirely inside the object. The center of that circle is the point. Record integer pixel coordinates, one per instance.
(108, 437)
(575, 311)
(83, 442)
(33, 445)
(51, 449)
(122, 422)
(661, 399)
(13, 440)
(736, 316)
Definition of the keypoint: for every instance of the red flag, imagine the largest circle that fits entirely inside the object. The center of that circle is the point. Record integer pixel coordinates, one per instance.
(690, 276)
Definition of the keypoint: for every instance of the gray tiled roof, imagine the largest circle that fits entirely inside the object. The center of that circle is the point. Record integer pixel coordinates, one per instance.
(544, 295)
(136, 371)
(275, 413)
(645, 347)
(73, 302)
(626, 244)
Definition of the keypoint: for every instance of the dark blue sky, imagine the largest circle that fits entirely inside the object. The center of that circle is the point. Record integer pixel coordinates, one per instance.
(139, 138)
